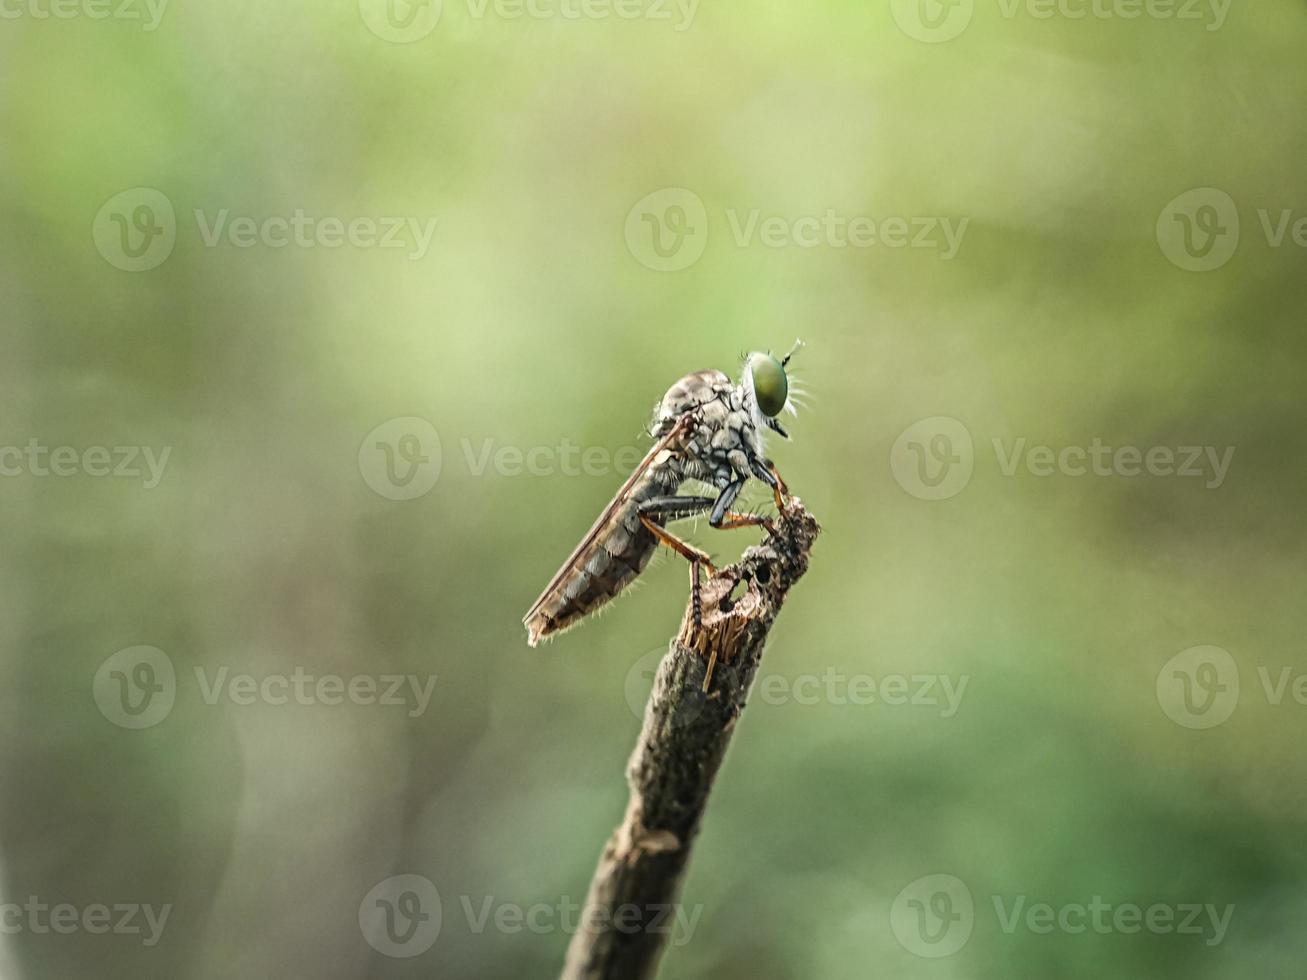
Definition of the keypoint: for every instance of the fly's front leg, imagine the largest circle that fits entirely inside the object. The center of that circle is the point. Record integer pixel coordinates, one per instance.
(765, 470)
(674, 508)
(724, 519)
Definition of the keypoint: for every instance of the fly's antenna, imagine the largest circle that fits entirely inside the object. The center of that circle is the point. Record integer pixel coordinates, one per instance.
(798, 346)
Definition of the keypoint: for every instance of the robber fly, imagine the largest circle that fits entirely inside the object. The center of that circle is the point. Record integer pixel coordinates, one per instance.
(707, 429)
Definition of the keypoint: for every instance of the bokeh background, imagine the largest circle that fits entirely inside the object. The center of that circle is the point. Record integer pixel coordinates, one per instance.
(543, 314)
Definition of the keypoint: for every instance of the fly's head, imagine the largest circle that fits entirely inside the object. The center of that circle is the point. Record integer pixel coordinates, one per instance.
(768, 389)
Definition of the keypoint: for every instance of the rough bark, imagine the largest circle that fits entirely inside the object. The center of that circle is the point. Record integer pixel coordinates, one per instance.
(630, 910)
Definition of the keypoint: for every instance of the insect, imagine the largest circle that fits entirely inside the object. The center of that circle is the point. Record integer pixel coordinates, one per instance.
(707, 429)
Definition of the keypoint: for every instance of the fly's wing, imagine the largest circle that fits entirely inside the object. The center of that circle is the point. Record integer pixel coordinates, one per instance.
(612, 553)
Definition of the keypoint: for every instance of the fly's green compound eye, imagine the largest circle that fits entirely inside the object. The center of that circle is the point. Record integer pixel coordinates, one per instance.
(770, 386)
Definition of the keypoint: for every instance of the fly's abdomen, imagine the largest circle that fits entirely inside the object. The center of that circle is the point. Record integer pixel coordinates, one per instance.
(607, 567)
(613, 554)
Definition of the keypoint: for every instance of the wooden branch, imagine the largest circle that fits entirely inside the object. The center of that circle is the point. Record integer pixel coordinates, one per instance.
(630, 911)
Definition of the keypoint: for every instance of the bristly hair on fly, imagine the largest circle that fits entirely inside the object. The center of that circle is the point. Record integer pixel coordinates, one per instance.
(798, 393)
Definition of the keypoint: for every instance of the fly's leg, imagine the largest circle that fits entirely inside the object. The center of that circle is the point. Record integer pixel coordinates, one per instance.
(721, 517)
(725, 519)
(781, 490)
(696, 589)
(687, 551)
(765, 470)
(673, 508)
(733, 522)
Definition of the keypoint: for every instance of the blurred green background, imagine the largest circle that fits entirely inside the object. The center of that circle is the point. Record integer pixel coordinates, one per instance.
(544, 314)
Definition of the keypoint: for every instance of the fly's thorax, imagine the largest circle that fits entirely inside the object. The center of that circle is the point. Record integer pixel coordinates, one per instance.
(726, 435)
(691, 392)
(719, 448)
